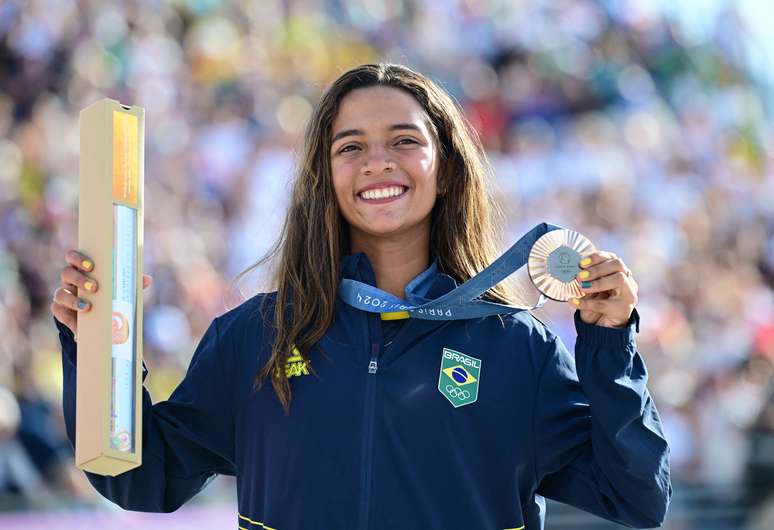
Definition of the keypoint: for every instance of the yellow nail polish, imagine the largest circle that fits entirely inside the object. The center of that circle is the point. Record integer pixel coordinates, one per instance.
(585, 261)
(575, 301)
(584, 274)
(86, 264)
(89, 286)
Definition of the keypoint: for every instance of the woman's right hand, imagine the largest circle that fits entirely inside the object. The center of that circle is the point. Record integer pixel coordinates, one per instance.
(67, 303)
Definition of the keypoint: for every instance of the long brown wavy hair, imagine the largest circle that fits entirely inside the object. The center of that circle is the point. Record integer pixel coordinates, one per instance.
(466, 228)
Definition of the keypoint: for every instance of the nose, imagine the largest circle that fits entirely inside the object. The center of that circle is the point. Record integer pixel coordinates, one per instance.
(377, 161)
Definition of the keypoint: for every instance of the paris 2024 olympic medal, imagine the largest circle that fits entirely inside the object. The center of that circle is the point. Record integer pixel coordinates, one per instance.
(553, 263)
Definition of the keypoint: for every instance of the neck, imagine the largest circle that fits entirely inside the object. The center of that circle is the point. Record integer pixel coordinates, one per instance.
(395, 260)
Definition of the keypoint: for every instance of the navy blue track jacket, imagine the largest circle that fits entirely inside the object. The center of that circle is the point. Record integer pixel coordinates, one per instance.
(372, 444)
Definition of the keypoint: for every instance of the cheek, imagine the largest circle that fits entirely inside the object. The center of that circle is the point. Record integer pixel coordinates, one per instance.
(342, 185)
(426, 170)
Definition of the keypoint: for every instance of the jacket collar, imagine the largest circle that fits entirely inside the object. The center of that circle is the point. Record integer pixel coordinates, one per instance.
(427, 285)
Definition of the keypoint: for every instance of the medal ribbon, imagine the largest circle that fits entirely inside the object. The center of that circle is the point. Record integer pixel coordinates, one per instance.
(461, 303)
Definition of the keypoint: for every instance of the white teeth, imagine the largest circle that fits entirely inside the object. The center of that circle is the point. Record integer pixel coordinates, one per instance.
(382, 193)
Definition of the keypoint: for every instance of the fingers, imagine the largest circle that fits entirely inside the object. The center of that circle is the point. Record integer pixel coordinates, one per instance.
(604, 271)
(68, 300)
(609, 306)
(65, 316)
(65, 306)
(79, 261)
(74, 281)
(65, 302)
(72, 276)
(600, 261)
(617, 282)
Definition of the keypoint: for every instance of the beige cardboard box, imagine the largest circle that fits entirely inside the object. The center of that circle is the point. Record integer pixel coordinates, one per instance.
(110, 230)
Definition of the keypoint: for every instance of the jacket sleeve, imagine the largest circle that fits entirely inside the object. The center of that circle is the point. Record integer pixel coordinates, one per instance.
(599, 442)
(186, 439)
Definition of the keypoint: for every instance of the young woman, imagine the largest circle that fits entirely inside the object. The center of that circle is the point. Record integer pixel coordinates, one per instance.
(392, 191)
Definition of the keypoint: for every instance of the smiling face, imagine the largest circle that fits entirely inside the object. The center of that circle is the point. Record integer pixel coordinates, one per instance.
(384, 163)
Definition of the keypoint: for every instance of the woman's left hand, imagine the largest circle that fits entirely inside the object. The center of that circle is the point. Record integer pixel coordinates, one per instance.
(611, 292)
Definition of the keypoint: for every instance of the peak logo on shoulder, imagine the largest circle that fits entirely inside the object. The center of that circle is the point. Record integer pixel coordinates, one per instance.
(458, 378)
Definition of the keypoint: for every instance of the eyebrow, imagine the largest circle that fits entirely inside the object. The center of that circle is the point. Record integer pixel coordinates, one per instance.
(355, 132)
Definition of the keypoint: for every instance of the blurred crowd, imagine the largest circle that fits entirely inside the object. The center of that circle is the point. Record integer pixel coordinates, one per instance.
(613, 118)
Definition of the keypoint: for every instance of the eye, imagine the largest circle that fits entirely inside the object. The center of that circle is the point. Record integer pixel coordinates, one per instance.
(344, 149)
(408, 139)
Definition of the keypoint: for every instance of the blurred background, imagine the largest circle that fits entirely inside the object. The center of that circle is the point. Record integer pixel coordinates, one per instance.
(646, 125)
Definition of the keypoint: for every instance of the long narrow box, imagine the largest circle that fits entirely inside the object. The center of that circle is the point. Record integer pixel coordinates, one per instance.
(110, 231)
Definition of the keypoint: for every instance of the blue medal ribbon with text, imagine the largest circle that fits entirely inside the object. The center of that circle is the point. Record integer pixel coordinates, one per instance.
(461, 303)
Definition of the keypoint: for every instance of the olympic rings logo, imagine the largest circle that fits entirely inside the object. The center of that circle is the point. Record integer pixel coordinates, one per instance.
(457, 393)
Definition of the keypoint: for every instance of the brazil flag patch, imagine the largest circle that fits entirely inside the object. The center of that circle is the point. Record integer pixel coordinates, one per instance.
(459, 377)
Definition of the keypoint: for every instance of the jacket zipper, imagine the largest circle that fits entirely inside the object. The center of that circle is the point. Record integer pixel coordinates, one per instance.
(368, 437)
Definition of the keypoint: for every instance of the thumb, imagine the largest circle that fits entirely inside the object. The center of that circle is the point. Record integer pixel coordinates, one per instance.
(147, 279)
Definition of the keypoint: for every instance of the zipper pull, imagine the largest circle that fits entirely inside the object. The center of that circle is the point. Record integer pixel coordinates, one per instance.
(372, 366)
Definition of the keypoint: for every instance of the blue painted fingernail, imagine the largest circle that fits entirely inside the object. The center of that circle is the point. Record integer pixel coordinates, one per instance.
(82, 304)
(585, 285)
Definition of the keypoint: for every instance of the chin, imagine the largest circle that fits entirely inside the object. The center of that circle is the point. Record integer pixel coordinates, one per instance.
(378, 231)
(382, 229)
(390, 224)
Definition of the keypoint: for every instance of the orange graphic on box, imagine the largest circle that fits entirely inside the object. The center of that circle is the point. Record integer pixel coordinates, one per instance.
(120, 328)
(125, 157)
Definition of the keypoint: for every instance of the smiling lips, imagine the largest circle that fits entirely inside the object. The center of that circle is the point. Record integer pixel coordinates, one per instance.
(380, 195)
